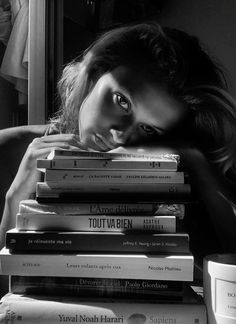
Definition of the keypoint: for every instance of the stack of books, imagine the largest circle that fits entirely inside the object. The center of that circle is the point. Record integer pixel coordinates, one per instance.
(103, 243)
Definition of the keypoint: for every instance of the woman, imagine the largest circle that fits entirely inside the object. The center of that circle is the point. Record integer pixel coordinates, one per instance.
(150, 86)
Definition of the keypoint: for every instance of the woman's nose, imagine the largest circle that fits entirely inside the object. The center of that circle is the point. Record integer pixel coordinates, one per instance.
(120, 136)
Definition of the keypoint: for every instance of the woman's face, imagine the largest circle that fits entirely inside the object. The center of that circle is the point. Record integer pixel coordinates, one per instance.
(124, 108)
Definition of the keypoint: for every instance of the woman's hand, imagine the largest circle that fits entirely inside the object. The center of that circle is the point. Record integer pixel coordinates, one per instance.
(27, 175)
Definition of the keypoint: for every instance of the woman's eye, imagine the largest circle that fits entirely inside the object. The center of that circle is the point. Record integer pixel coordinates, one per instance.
(122, 102)
(147, 129)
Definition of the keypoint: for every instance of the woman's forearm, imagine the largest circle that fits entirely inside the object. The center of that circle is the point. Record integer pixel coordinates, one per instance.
(9, 214)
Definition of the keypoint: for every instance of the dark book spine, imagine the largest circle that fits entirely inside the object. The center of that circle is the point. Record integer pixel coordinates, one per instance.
(97, 241)
(83, 287)
(115, 198)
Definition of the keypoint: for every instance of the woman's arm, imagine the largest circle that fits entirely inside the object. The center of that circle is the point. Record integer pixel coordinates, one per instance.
(217, 194)
(27, 175)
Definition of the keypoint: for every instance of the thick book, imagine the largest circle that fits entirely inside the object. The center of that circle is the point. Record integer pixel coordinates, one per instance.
(107, 192)
(121, 266)
(60, 178)
(22, 309)
(99, 287)
(74, 153)
(130, 242)
(162, 164)
(32, 206)
(113, 223)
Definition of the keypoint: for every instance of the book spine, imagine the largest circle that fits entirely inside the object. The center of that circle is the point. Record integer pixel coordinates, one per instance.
(97, 241)
(117, 223)
(109, 155)
(95, 286)
(75, 197)
(56, 188)
(32, 206)
(26, 310)
(61, 177)
(160, 165)
(122, 266)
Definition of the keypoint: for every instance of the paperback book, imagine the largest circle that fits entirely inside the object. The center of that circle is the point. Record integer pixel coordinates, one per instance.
(27, 310)
(69, 153)
(59, 178)
(112, 242)
(99, 287)
(113, 223)
(108, 192)
(31, 206)
(162, 164)
(118, 266)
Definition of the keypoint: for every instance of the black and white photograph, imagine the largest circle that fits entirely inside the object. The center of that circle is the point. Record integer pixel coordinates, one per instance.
(118, 161)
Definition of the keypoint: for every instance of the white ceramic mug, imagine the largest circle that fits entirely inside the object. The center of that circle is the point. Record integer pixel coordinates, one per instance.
(219, 283)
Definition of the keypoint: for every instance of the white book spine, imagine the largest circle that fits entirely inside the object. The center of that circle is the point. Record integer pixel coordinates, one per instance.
(135, 266)
(160, 165)
(113, 176)
(20, 309)
(117, 223)
(63, 154)
(32, 206)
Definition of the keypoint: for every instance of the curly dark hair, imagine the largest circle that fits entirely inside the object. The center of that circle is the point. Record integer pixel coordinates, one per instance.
(172, 59)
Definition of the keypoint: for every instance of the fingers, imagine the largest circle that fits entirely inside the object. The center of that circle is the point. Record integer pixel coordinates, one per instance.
(65, 141)
(119, 149)
(40, 147)
(70, 139)
(60, 138)
(34, 153)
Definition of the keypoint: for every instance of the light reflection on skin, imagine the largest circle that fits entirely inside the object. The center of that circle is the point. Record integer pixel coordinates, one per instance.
(124, 107)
